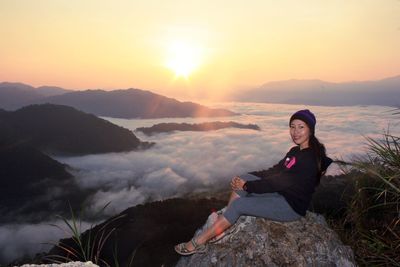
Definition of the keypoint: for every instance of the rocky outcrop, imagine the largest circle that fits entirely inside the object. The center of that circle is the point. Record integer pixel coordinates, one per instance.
(260, 242)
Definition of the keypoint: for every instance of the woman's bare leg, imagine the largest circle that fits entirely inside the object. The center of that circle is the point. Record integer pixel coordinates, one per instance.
(218, 227)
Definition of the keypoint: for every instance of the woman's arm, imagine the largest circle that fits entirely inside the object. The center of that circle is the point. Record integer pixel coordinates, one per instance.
(275, 168)
(305, 168)
(267, 173)
(271, 184)
(260, 186)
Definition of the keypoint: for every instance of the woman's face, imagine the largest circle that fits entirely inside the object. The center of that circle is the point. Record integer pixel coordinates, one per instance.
(300, 133)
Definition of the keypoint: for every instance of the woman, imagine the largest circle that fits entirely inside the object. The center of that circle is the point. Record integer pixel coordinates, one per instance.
(281, 193)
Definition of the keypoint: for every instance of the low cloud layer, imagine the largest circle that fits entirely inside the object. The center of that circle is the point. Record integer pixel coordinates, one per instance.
(20, 240)
(193, 162)
(183, 163)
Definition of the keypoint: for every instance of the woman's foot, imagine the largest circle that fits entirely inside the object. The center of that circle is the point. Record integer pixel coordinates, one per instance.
(190, 248)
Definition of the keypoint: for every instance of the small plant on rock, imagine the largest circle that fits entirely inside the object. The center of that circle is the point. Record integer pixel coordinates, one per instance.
(87, 246)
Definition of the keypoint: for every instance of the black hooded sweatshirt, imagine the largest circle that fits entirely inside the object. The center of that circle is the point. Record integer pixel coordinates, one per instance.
(294, 177)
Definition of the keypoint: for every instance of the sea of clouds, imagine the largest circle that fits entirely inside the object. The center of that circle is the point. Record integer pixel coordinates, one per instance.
(185, 163)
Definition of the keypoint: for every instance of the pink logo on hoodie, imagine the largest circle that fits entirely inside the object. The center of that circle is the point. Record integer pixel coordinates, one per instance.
(289, 162)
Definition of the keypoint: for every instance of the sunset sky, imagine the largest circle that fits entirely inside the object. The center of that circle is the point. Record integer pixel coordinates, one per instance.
(196, 49)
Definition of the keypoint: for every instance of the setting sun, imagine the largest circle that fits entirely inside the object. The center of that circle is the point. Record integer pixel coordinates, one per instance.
(183, 58)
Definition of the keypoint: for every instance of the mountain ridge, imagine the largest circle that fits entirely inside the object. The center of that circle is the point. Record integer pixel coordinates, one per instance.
(384, 92)
(133, 103)
(33, 184)
(63, 129)
(120, 103)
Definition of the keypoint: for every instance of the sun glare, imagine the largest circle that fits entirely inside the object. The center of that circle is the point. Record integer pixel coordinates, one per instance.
(183, 58)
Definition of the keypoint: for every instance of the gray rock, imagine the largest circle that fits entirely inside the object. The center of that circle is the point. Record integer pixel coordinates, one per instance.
(260, 242)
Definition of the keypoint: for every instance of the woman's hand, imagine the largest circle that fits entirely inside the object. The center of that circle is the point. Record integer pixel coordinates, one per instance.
(237, 183)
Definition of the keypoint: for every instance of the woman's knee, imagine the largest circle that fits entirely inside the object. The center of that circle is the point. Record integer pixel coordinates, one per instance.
(239, 193)
(232, 212)
(236, 205)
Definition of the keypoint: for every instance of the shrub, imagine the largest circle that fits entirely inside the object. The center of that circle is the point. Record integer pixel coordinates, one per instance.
(372, 220)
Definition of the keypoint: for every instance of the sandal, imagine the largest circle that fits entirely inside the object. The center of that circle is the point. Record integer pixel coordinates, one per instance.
(231, 230)
(181, 248)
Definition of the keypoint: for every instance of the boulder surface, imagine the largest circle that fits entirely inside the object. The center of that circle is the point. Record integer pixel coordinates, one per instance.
(260, 242)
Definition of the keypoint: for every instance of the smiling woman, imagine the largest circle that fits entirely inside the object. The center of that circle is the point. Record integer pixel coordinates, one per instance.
(183, 58)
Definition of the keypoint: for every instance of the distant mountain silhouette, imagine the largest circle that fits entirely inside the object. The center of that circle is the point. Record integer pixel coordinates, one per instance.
(128, 103)
(133, 103)
(51, 90)
(17, 95)
(206, 126)
(384, 92)
(61, 129)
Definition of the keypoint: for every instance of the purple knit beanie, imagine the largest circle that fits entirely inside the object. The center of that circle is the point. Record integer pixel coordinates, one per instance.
(306, 116)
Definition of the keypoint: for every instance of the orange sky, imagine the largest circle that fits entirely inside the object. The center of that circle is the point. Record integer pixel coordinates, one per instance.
(219, 46)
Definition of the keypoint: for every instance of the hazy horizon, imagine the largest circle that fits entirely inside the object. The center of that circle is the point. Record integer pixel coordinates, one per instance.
(309, 89)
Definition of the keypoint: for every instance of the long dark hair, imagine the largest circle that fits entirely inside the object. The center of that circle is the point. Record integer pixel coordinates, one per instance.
(320, 154)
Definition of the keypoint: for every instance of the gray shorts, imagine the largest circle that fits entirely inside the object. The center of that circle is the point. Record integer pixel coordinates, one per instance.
(272, 206)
